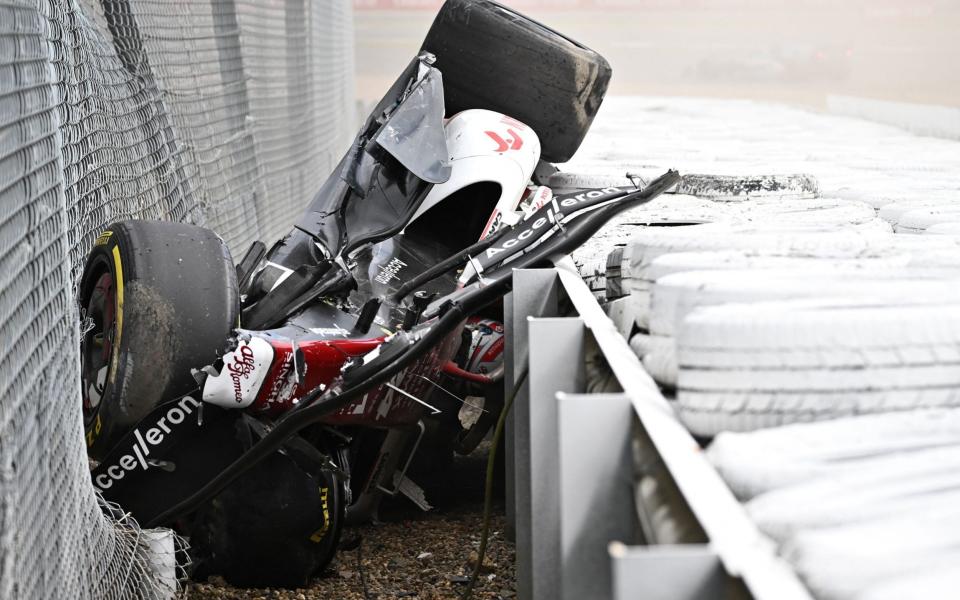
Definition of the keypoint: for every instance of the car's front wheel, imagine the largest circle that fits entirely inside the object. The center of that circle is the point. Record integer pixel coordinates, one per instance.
(156, 299)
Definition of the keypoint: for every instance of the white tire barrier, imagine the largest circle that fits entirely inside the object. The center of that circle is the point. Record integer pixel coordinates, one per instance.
(718, 246)
(821, 211)
(931, 582)
(837, 562)
(892, 211)
(749, 366)
(917, 221)
(867, 495)
(658, 356)
(950, 228)
(673, 297)
(679, 209)
(761, 461)
(841, 243)
(676, 296)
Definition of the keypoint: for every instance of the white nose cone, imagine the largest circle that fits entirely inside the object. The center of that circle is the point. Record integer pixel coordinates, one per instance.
(243, 373)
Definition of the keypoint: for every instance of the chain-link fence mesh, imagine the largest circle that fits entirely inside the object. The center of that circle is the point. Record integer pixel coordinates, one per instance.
(226, 113)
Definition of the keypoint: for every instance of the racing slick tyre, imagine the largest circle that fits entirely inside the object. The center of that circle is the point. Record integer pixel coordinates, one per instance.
(157, 299)
(495, 58)
(277, 526)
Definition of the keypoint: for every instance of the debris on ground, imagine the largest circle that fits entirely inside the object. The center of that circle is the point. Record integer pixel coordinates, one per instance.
(391, 565)
(411, 554)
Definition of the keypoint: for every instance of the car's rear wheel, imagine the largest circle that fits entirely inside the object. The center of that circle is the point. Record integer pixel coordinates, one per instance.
(157, 299)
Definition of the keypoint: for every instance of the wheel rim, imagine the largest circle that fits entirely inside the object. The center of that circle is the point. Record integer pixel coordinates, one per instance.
(96, 344)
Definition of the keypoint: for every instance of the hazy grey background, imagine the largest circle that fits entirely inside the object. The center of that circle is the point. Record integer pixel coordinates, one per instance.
(794, 52)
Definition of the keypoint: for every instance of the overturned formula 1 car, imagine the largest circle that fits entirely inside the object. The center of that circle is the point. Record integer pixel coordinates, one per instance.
(257, 408)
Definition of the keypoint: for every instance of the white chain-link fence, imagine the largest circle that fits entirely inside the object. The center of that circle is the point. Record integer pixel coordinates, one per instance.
(225, 113)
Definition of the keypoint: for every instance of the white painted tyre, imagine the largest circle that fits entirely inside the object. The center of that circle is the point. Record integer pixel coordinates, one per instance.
(892, 211)
(662, 366)
(658, 356)
(819, 211)
(758, 462)
(918, 221)
(643, 344)
(838, 562)
(930, 582)
(870, 494)
(679, 262)
(951, 228)
(673, 297)
(770, 240)
(669, 210)
(742, 245)
(750, 366)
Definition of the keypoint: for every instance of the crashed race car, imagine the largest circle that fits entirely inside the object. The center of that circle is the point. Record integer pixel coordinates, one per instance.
(257, 408)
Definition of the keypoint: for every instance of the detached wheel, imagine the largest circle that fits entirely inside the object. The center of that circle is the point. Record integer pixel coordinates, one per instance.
(496, 58)
(157, 299)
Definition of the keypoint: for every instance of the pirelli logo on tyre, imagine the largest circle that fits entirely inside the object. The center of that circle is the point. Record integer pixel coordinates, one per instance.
(104, 238)
(319, 534)
(94, 431)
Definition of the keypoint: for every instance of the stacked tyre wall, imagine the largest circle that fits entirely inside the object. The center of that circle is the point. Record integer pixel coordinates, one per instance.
(224, 113)
(805, 328)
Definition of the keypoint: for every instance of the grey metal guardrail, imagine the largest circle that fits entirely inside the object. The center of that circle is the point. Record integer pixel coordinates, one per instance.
(608, 495)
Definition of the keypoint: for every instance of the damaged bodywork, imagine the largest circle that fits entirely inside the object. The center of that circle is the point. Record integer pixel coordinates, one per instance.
(371, 327)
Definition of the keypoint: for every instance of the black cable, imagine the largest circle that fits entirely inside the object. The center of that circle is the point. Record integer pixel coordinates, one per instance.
(488, 487)
(360, 571)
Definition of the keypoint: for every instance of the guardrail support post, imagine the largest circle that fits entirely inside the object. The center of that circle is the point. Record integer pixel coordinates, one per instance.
(556, 362)
(596, 489)
(687, 572)
(535, 294)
